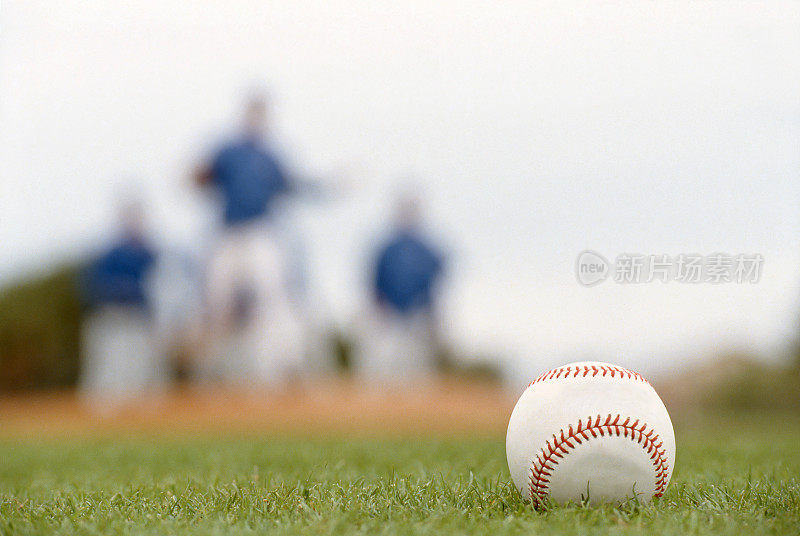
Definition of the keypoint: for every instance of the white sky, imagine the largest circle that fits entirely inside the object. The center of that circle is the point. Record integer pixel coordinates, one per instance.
(539, 130)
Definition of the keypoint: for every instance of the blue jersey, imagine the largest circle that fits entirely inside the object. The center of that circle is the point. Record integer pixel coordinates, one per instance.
(249, 177)
(117, 276)
(407, 269)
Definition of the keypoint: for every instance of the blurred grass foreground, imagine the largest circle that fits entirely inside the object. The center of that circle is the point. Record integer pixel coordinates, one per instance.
(733, 476)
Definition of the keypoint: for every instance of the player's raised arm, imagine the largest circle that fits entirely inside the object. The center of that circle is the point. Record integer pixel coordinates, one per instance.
(329, 185)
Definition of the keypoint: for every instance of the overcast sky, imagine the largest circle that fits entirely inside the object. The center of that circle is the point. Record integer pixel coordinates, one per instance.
(537, 130)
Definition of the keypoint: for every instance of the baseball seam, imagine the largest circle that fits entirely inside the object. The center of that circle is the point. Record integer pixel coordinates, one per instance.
(556, 448)
(585, 370)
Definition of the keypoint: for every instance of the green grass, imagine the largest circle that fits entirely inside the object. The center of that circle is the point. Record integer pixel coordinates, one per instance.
(733, 477)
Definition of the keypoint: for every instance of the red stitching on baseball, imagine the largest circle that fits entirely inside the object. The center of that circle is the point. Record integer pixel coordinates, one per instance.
(545, 463)
(585, 370)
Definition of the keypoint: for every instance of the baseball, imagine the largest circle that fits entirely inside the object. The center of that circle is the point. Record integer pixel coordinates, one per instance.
(590, 430)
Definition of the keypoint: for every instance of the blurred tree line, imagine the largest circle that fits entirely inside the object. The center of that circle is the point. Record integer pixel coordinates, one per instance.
(755, 385)
(40, 321)
(40, 336)
(40, 324)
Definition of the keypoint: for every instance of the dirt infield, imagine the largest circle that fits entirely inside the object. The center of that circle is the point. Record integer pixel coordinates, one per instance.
(441, 407)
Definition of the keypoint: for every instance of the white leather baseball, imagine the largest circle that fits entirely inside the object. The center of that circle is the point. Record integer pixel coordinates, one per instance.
(590, 429)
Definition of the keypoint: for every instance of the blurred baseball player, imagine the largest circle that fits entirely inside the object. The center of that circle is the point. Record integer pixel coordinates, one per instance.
(401, 343)
(255, 332)
(120, 359)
